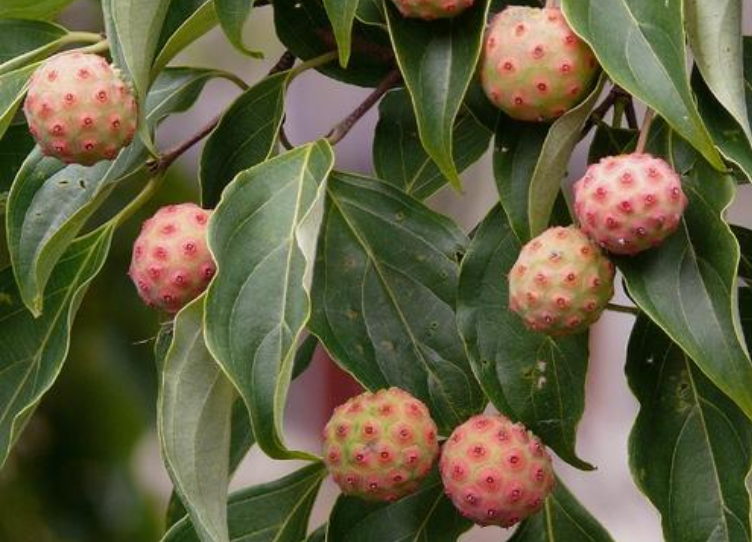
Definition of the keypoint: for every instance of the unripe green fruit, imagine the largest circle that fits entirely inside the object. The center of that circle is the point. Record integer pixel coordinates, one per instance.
(561, 282)
(379, 446)
(534, 67)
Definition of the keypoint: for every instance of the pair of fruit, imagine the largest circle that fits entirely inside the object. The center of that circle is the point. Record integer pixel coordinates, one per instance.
(379, 446)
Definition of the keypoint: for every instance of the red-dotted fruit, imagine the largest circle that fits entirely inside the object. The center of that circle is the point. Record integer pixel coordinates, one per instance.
(79, 109)
(432, 9)
(379, 446)
(171, 262)
(534, 67)
(629, 203)
(496, 472)
(561, 282)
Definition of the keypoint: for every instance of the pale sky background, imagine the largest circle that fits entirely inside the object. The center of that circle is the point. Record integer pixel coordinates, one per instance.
(314, 105)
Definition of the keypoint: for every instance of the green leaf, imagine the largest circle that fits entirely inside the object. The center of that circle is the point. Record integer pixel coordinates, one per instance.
(273, 512)
(13, 87)
(728, 134)
(384, 294)
(245, 136)
(133, 30)
(232, 16)
(609, 141)
(371, 12)
(745, 309)
(342, 16)
(530, 162)
(425, 515)
(437, 60)
(304, 355)
(641, 44)
(263, 236)
(715, 36)
(528, 376)
(688, 285)
(38, 9)
(34, 349)
(194, 422)
(319, 535)
(563, 519)
(399, 157)
(50, 202)
(690, 448)
(304, 28)
(185, 22)
(22, 41)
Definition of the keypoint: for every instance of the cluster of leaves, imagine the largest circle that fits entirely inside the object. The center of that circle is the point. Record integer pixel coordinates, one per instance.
(397, 293)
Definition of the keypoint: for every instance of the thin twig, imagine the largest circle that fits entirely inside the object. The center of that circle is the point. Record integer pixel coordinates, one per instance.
(623, 309)
(599, 112)
(645, 131)
(340, 131)
(285, 62)
(631, 115)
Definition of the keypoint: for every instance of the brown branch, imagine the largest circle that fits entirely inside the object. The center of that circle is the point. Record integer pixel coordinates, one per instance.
(167, 158)
(340, 131)
(645, 131)
(631, 115)
(599, 112)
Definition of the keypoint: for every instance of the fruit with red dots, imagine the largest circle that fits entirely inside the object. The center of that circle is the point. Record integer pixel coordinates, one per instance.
(432, 9)
(561, 282)
(171, 262)
(379, 446)
(496, 472)
(79, 109)
(629, 203)
(534, 67)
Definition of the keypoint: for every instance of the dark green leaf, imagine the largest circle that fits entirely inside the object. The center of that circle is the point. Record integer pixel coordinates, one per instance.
(563, 519)
(34, 349)
(304, 355)
(437, 60)
(185, 22)
(528, 376)
(194, 422)
(51, 202)
(15, 146)
(424, 515)
(728, 134)
(319, 535)
(232, 16)
(745, 308)
(304, 28)
(371, 12)
(273, 512)
(690, 449)
(399, 157)
(641, 44)
(341, 14)
(38, 9)
(384, 295)
(23, 41)
(688, 285)
(263, 236)
(609, 141)
(744, 237)
(246, 136)
(715, 36)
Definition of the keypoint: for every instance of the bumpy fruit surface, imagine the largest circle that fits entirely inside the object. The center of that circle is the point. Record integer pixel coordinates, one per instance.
(171, 262)
(496, 472)
(629, 203)
(379, 446)
(79, 109)
(561, 282)
(534, 67)
(432, 9)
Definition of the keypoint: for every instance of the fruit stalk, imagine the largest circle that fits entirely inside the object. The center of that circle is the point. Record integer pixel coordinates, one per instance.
(645, 130)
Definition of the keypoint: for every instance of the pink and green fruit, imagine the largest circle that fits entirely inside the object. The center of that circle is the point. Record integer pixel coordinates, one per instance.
(432, 9)
(171, 262)
(629, 203)
(379, 446)
(79, 109)
(561, 282)
(496, 472)
(534, 67)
